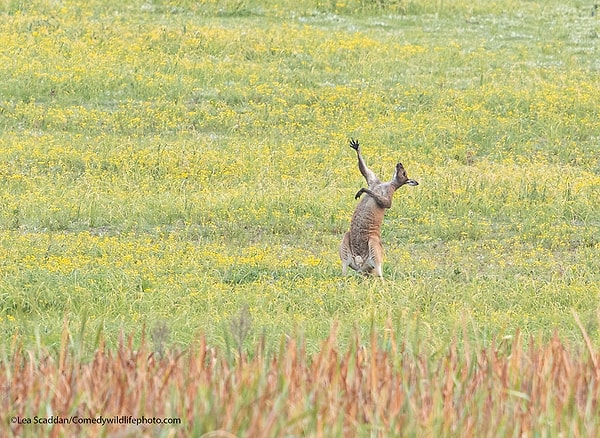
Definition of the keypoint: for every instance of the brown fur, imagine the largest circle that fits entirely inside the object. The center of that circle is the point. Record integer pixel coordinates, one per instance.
(361, 247)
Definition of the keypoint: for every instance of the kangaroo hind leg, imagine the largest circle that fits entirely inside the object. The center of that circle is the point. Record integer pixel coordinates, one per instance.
(376, 255)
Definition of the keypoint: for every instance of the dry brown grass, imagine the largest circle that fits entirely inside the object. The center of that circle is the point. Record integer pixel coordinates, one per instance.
(386, 386)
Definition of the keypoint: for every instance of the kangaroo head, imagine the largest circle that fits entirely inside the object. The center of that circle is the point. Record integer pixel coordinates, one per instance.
(400, 177)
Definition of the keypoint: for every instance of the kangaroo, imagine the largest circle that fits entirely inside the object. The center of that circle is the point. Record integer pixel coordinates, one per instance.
(361, 247)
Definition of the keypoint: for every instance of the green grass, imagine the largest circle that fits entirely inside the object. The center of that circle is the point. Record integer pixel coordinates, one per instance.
(171, 163)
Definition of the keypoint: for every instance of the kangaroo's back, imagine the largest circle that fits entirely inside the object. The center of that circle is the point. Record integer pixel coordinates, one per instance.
(365, 224)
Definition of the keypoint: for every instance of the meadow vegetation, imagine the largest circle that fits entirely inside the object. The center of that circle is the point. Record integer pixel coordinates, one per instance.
(177, 164)
(380, 387)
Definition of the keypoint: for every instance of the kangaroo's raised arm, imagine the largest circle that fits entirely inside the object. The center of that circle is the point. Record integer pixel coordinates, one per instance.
(366, 172)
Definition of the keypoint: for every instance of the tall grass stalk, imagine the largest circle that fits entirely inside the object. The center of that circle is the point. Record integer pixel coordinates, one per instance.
(390, 384)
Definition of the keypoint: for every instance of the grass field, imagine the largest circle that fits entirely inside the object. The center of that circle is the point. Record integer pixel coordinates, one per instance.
(183, 166)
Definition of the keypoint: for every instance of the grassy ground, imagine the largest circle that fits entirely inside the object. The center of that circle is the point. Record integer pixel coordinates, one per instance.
(173, 163)
(184, 166)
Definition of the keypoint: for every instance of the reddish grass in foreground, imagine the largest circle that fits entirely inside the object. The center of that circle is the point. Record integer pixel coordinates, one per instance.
(391, 387)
